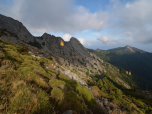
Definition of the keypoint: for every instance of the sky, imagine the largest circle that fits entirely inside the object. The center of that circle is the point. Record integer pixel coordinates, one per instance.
(103, 24)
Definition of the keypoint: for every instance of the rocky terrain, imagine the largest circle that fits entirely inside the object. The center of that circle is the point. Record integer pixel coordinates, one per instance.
(15, 28)
(41, 76)
(72, 55)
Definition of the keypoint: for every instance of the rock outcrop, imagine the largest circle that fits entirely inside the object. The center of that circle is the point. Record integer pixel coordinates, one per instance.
(73, 52)
(73, 76)
(109, 107)
(15, 28)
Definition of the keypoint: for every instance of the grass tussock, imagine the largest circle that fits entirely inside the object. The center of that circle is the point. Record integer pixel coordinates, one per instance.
(55, 82)
(22, 102)
(43, 105)
(2, 55)
(87, 95)
(57, 94)
(63, 76)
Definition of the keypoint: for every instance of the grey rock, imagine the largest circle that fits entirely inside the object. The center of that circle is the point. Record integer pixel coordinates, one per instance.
(68, 112)
(73, 76)
(16, 28)
(108, 109)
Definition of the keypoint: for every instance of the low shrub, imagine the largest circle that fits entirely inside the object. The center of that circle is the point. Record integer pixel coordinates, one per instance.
(70, 101)
(20, 48)
(2, 55)
(43, 106)
(63, 76)
(87, 73)
(86, 94)
(57, 94)
(55, 82)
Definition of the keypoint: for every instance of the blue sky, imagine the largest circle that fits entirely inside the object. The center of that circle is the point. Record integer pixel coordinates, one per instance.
(93, 5)
(102, 24)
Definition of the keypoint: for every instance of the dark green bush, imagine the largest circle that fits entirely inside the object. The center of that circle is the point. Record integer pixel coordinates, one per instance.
(87, 73)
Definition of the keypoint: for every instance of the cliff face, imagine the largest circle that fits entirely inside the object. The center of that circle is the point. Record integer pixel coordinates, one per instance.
(15, 28)
(72, 55)
(72, 51)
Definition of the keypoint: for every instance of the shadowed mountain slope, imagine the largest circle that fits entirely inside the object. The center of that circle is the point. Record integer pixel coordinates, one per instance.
(131, 59)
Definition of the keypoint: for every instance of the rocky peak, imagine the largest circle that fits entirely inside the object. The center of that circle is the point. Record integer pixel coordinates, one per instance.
(15, 28)
(130, 48)
(45, 35)
(74, 40)
(98, 50)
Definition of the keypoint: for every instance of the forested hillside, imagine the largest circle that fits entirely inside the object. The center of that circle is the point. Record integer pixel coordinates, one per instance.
(131, 59)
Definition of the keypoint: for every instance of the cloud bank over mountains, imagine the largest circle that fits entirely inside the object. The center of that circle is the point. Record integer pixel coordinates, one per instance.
(58, 15)
(129, 22)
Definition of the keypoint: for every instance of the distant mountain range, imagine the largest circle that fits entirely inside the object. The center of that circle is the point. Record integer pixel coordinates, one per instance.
(137, 61)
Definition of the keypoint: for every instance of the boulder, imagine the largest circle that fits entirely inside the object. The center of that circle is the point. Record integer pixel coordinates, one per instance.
(68, 112)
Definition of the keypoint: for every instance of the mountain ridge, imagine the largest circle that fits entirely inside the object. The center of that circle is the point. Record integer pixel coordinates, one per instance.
(127, 47)
(129, 58)
(15, 28)
(73, 55)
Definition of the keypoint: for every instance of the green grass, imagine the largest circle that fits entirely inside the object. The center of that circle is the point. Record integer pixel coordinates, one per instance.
(57, 94)
(2, 55)
(55, 82)
(63, 76)
(43, 106)
(22, 102)
(86, 94)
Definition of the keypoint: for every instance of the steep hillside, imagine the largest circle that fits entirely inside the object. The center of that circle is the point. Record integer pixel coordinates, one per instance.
(131, 59)
(33, 84)
(72, 55)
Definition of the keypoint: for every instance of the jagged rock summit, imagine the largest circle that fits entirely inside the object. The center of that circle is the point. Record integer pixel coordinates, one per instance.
(71, 51)
(18, 30)
(72, 54)
(15, 28)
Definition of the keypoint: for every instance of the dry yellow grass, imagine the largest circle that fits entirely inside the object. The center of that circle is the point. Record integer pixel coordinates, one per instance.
(18, 84)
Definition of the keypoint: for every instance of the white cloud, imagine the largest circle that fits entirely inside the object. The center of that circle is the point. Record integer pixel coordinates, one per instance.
(106, 40)
(67, 37)
(131, 20)
(56, 16)
(133, 16)
(82, 41)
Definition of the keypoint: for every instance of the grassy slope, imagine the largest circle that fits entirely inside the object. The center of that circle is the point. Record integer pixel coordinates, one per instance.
(26, 86)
